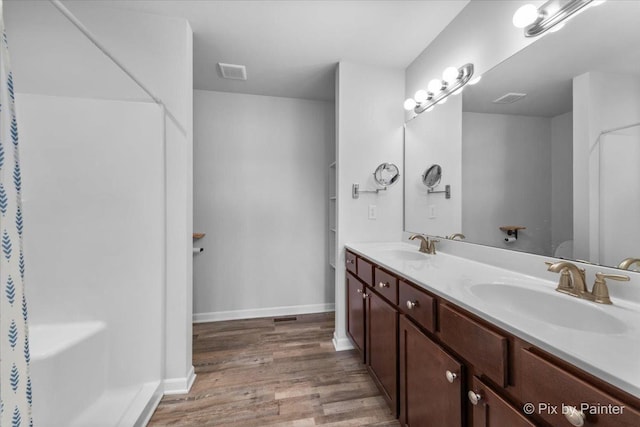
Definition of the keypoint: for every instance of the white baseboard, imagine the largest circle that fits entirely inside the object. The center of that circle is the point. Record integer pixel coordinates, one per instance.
(179, 385)
(262, 312)
(342, 344)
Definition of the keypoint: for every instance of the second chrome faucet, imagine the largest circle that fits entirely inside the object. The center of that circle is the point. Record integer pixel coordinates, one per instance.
(572, 282)
(427, 246)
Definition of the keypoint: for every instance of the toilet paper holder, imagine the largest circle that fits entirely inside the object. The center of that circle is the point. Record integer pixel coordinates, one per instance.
(512, 232)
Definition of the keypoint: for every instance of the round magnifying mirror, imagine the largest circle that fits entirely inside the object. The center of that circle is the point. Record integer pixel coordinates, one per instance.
(431, 177)
(386, 174)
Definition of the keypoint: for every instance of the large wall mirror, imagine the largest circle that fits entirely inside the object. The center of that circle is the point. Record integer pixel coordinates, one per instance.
(548, 141)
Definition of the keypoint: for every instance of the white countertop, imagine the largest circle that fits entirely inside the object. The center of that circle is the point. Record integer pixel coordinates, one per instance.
(613, 357)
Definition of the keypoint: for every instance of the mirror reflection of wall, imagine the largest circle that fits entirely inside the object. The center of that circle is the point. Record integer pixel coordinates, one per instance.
(434, 138)
(531, 149)
(507, 175)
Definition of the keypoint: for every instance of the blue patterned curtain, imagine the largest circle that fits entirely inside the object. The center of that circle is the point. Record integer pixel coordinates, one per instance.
(15, 382)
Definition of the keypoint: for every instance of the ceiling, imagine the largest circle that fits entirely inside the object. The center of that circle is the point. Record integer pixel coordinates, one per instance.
(603, 38)
(291, 47)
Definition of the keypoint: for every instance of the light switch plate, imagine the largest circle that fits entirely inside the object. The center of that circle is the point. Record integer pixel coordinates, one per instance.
(373, 212)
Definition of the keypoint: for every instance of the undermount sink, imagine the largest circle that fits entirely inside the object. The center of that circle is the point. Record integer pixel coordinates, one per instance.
(405, 254)
(554, 308)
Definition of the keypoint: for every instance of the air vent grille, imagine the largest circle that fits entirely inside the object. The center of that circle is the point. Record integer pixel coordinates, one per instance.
(509, 98)
(232, 71)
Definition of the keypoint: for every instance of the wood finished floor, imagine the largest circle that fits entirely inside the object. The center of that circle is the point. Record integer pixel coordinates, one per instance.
(262, 372)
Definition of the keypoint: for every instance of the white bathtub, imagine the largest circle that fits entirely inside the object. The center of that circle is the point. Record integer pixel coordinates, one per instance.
(68, 370)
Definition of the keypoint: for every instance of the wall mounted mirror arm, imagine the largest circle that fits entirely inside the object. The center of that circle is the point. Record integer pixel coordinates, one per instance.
(431, 178)
(356, 191)
(446, 191)
(385, 175)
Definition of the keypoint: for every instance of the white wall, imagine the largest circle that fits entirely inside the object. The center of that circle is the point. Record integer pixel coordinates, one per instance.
(52, 57)
(506, 180)
(619, 196)
(369, 119)
(94, 223)
(601, 101)
(261, 185)
(561, 179)
(434, 138)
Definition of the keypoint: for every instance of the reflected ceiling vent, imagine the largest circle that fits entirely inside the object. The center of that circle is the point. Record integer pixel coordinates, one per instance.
(232, 71)
(509, 98)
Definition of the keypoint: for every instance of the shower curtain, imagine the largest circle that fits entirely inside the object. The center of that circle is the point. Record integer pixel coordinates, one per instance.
(15, 383)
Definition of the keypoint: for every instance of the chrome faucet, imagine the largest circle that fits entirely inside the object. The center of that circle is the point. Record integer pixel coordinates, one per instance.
(572, 279)
(458, 235)
(432, 246)
(426, 246)
(600, 290)
(628, 262)
(572, 282)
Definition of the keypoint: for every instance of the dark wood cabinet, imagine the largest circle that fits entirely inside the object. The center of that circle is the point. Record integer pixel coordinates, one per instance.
(439, 365)
(355, 313)
(350, 262)
(382, 344)
(431, 381)
(569, 399)
(491, 410)
(482, 347)
(417, 305)
(386, 285)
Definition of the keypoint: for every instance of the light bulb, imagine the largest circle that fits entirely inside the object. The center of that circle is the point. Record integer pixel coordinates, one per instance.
(450, 74)
(434, 86)
(525, 16)
(442, 101)
(474, 80)
(409, 104)
(421, 96)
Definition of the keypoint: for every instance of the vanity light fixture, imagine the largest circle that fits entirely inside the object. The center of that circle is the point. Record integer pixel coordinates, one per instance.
(550, 16)
(453, 80)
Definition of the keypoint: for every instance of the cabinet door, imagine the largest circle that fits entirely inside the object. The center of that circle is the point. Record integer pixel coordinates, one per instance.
(382, 347)
(431, 381)
(355, 312)
(491, 410)
(562, 399)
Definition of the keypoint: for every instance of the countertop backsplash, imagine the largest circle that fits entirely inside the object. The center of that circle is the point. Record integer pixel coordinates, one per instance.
(533, 265)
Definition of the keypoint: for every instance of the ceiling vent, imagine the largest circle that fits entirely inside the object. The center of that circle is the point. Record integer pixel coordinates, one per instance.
(509, 98)
(232, 71)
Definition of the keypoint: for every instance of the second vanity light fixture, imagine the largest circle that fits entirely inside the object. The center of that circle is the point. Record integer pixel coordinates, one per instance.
(550, 16)
(453, 80)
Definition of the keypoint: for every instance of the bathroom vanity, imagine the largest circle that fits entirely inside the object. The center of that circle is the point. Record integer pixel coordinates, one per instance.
(454, 342)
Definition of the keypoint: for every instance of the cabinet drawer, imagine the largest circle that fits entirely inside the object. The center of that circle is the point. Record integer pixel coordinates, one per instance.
(386, 285)
(418, 305)
(365, 271)
(493, 411)
(350, 262)
(545, 383)
(485, 349)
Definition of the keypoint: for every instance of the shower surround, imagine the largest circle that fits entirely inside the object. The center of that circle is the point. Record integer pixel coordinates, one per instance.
(94, 240)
